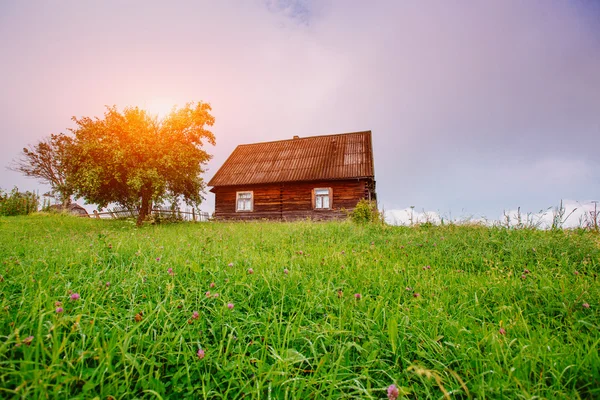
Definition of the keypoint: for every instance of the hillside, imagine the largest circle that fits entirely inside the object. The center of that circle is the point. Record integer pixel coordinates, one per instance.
(295, 310)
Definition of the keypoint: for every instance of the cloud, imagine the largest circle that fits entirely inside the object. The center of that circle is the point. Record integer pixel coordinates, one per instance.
(566, 214)
(474, 107)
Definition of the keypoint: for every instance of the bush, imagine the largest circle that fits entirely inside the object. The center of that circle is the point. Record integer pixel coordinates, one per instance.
(366, 212)
(18, 203)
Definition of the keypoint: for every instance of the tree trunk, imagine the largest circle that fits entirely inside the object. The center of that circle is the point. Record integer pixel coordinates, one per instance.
(144, 209)
(66, 200)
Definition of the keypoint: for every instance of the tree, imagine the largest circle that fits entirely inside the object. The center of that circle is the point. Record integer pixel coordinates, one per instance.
(47, 161)
(135, 159)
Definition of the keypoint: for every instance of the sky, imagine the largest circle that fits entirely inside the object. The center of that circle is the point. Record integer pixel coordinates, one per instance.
(477, 108)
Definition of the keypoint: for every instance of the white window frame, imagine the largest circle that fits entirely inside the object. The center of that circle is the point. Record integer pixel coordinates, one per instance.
(329, 197)
(237, 199)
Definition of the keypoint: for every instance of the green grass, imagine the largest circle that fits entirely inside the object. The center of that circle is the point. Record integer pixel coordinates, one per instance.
(291, 335)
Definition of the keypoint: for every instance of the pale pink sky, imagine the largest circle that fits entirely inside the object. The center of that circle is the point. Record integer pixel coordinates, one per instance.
(475, 106)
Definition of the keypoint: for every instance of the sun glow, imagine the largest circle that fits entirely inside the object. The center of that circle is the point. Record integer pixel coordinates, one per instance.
(159, 106)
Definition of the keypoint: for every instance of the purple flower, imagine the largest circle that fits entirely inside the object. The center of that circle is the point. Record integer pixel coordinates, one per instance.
(216, 295)
(416, 295)
(107, 284)
(502, 331)
(230, 264)
(250, 271)
(59, 310)
(170, 271)
(523, 276)
(75, 296)
(195, 315)
(207, 294)
(586, 305)
(212, 285)
(157, 258)
(200, 354)
(28, 340)
(285, 271)
(526, 271)
(230, 306)
(409, 289)
(357, 296)
(57, 303)
(392, 392)
(576, 273)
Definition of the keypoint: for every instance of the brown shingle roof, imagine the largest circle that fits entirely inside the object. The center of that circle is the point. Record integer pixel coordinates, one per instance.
(341, 156)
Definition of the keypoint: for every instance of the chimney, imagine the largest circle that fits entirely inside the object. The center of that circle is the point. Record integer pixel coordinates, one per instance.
(296, 137)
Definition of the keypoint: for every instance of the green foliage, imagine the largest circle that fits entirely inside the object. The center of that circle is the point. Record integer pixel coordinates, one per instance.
(366, 212)
(18, 203)
(47, 161)
(301, 334)
(133, 159)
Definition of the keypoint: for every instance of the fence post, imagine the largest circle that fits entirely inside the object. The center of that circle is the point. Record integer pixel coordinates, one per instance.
(193, 215)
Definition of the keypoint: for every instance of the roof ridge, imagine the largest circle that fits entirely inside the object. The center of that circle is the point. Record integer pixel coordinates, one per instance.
(305, 137)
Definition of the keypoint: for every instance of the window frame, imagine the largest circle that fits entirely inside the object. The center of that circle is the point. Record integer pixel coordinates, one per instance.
(237, 193)
(329, 195)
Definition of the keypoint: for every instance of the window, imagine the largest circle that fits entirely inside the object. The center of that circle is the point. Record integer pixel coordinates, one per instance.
(244, 201)
(322, 198)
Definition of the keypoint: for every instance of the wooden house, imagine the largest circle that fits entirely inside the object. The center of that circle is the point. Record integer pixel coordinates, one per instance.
(318, 177)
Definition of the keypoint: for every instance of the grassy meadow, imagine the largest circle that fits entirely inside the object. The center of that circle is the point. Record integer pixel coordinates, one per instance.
(102, 309)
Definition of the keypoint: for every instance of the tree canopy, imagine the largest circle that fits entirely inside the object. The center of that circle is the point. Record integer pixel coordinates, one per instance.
(135, 159)
(47, 161)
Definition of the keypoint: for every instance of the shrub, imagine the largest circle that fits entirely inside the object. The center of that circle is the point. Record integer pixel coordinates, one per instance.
(18, 203)
(366, 212)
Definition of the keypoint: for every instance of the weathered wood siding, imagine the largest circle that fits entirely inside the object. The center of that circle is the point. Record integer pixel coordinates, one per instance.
(291, 201)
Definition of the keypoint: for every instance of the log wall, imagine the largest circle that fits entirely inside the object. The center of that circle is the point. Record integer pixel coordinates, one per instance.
(292, 200)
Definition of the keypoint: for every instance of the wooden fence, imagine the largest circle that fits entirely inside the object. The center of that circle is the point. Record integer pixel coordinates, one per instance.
(118, 213)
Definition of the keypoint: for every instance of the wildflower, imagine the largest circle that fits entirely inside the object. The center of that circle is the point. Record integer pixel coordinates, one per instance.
(138, 317)
(342, 267)
(526, 271)
(157, 259)
(576, 273)
(340, 294)
(343, 252)
(502, 331)
(285, 271)
(207, 294)
(230, 306)
(586, 305)
(216, 295)
(107, 284)
(409, 289)
(212, 285)
(200, 354)
(392, 392)
(75, 296)
(195, 315)
(357, 296)
(59, 310)
(427, 267)
(523, 276)
(28, 340)
(170, 271)
(230, 264)
(57, 303)
(416, 295)
(250, 271)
